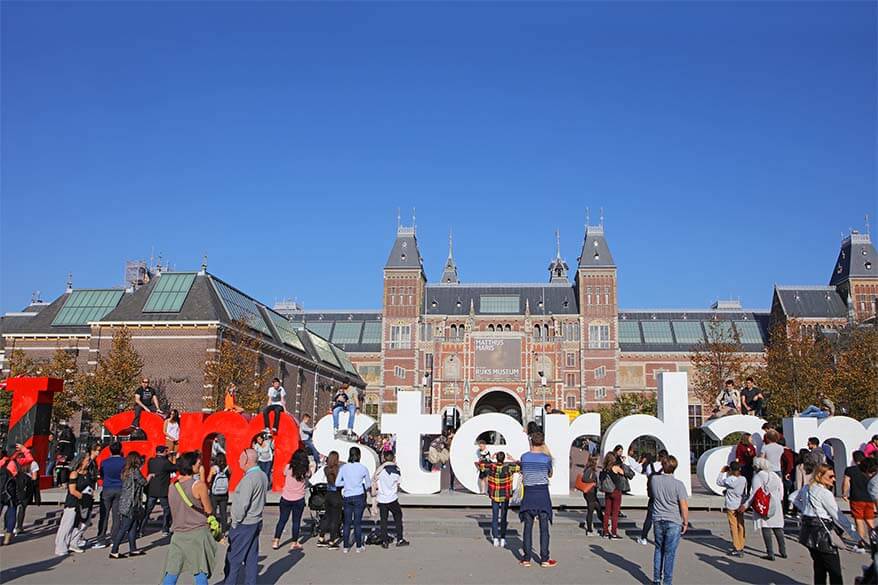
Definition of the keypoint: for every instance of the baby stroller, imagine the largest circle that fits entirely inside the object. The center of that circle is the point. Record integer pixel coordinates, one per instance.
(317, 506)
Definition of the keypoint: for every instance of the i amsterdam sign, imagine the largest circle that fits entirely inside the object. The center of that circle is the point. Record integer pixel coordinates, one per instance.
(32, 400)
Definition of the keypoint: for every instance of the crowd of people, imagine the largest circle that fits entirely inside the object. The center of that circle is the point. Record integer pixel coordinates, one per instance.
(199, 510)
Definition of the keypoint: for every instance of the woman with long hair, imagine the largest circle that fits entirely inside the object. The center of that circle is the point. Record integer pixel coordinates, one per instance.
(590, 475)
(79, 496)
(773, 523)
(219, 478)
(820, 515)
(192, 550)
(264, 447)
(292, 500)
(130, 506)
(610, 475)
(745, 452)
(330, 524)
(172, 430)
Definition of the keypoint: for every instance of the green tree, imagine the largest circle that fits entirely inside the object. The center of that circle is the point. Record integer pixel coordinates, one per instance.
(856, 372)
(626, 405)
(719, 358)
(63, 365)
(112, 384)
(238, 361)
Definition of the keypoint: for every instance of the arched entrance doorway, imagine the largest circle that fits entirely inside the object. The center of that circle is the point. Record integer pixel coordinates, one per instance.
(497, 400)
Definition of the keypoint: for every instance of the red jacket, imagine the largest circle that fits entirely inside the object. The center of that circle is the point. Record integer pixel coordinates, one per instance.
(787, 462)
(744, 455)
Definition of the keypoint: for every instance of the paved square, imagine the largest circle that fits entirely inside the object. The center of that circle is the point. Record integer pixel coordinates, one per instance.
(447, 546)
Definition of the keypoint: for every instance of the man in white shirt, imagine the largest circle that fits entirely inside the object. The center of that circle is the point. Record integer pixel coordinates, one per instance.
(387, 487)
(277, 401)
(772, 450)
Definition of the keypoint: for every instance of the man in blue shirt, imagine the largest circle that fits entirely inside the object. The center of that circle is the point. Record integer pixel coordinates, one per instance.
(353, 478)
(536, 469)
(111, 473)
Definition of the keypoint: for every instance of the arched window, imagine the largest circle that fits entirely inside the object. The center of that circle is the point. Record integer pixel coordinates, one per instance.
(538, 332)
(508, 327)
(454, 332)
(490, 328)
(546, 331)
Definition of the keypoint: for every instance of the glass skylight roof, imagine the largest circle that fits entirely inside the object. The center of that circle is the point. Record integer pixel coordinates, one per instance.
(688, 331)
(629, 332)
(345, 361)
(286, 330)
(84, 306)
(372, 332)
(749, 331)
(321, 328)
(324, 350)
(169, 293)
(241, 307)
(347, 332)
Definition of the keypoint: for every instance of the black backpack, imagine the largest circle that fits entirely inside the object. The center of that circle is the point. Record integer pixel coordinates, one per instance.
(8, 488)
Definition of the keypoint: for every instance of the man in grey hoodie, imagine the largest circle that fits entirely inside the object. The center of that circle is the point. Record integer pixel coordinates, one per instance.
(248, 502)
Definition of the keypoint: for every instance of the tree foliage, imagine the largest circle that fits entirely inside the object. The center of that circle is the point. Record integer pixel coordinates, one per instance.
(238, 361)
(111, 387)
(856, 373)
(719, 358)
(798, 370)
(63, 365)
(626, 405)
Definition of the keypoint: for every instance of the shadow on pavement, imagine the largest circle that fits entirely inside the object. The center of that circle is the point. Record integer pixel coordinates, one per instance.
(37, 567)
(622, 563)
(273, 573)
(745, 572)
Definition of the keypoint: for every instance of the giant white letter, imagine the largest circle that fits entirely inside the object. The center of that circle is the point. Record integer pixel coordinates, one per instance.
(710, 463)
(560, 434)
(671, 427)
(325, 441)
(408, 424)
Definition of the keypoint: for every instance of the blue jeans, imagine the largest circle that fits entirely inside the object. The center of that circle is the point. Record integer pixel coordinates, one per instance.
(498, 518)
(667, 537)
(200, 579)
(309, 444)
(288, 507)
(266, 466)
(352, 411)
(243, 551)
(527, 538)
(353, 517)
(815, 412)
(128, 529)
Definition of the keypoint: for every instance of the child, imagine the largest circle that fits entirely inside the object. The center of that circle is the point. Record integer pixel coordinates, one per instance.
(387, 486)
(735, 485)
(482, 456)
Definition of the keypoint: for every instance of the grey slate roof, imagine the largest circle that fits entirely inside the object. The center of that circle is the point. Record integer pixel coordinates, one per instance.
(811, 302)
(41, 322)
(556, 298)
(856, 259)
(702, 320)
(405, 253)
(595, 250)
(323, 323)
(201, 304)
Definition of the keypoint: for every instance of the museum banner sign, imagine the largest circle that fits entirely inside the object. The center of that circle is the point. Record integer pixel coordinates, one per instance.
(497, 358)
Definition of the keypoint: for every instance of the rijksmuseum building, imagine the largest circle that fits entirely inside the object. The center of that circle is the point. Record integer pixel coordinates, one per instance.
(470, 348)
(512, 347)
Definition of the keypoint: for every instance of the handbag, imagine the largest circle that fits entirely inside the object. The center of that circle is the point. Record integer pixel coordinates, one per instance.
(213, 525)
(582, 485)
(762, 502)
(608, 486)
(517, 490)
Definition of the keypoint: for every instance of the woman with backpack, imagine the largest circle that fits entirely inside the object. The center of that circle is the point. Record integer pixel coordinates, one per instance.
(820, 521)
(766, 495)
(130, 506)
(590, 477)
(218, 479)
(614, 480)
(193, 549)
(292, 500)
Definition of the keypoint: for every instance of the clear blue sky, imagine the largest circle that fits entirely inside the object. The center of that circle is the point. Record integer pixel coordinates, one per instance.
(730, 144)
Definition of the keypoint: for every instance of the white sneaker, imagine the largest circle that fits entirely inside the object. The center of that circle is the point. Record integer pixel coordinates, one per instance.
(642, 541)
(74, 548)
(496, 542)
(361, 549)
(99, 544)
(503, 542)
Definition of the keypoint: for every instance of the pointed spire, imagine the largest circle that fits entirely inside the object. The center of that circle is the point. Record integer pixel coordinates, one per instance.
(449, 273)
(558, 268)
(69, 282)
(595, 251)
(203, 264)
